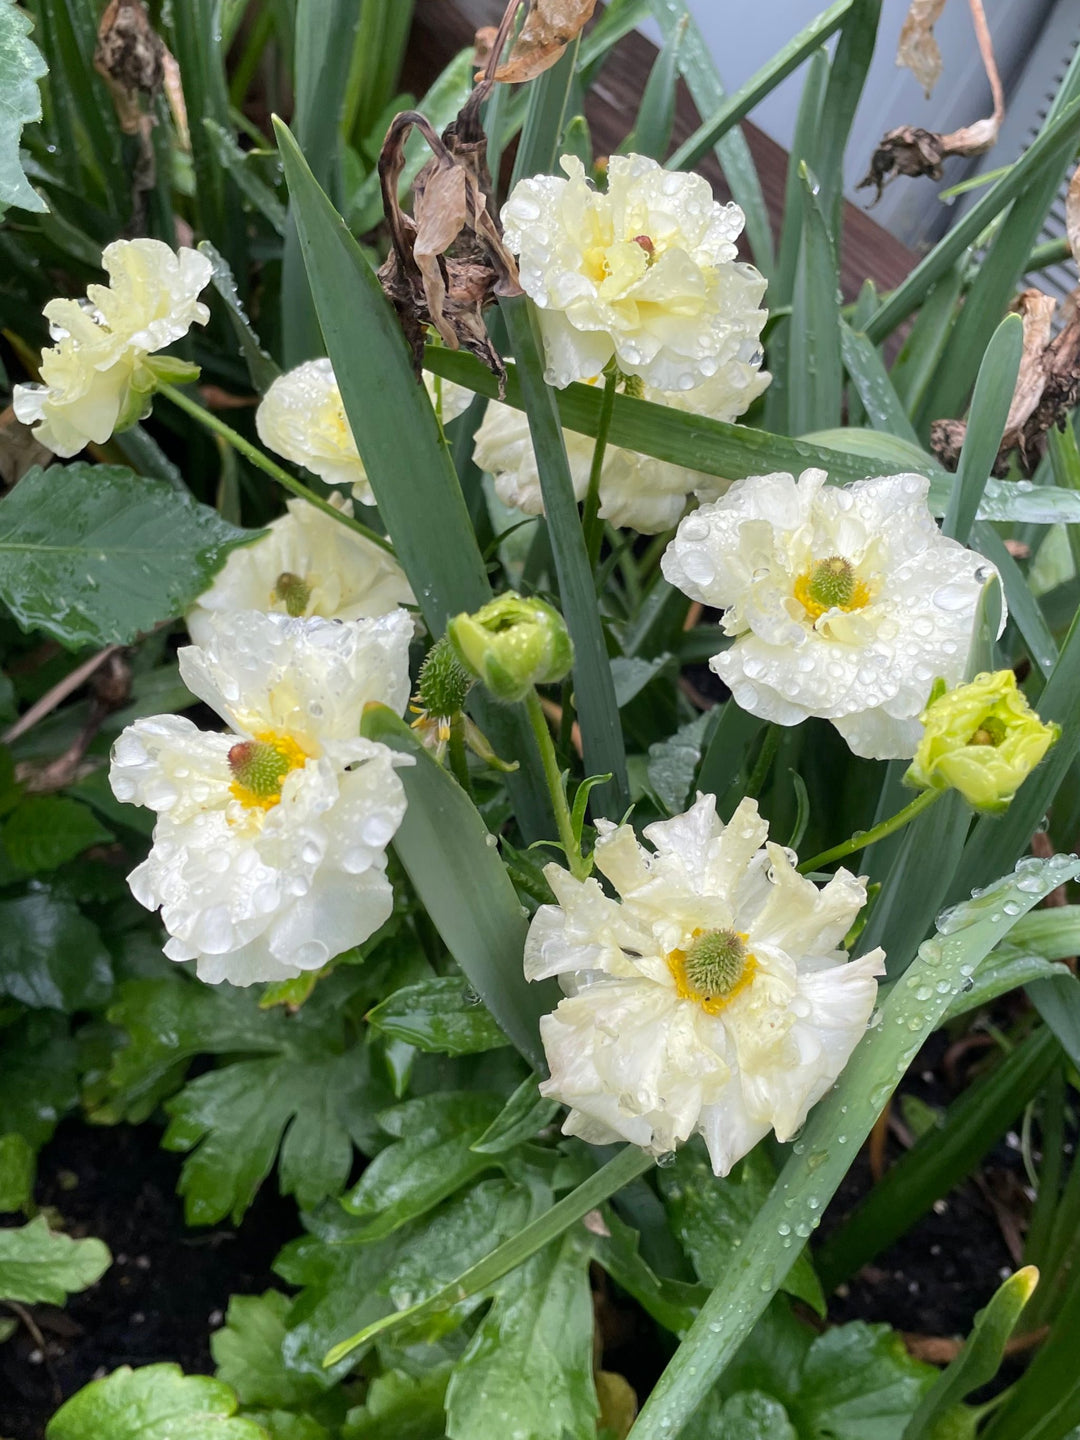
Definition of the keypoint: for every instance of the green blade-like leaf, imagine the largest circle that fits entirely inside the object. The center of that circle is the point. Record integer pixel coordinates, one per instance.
(262, 369)
(41, 1266)
(594, 689)
(815, 398)
(522, 1117)
(406, 457)
(156, 1402)
(21, 67)
(986, 425)
(883, 406)
(981, 1357)
(789, 58)
(97, 555)
(464, 887)
(443, 1015)
(833, 1134)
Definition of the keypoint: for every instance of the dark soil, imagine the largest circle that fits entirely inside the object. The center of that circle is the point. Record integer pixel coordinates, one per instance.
(168, 1286)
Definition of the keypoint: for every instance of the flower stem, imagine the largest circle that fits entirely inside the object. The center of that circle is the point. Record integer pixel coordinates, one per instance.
(458, 761)
(863, 839)
(590, 521)
(579, 867)
(264, 463)
(763, 764)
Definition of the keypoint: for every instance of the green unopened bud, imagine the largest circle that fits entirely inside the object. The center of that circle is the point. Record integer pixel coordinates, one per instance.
(982, 739)
(444, 681)
(512, 644)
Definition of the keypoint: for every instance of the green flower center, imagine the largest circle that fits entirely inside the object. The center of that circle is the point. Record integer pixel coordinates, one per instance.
(292, 591)
(832, 583)
(991, 731)
(715, 963)
(260, 768)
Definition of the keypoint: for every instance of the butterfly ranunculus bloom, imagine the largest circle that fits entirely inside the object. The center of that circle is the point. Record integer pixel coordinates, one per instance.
(302, 418)
(842, 601)
(645, 272)
(269, 850)
(712, 996)
(636, 491)
(307, 563)
(96, 379)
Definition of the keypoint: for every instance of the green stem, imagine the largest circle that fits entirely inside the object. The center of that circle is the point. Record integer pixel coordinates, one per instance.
(625, 1167)
(266, 465)
(763, 763)
(863, 839)
(590, 521)
(553, 775)
(458, 760)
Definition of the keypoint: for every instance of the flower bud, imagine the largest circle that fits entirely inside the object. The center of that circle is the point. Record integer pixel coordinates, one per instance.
(512, 644)
(982, 738)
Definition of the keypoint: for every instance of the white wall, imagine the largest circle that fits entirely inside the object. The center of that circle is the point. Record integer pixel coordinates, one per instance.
(744, 34)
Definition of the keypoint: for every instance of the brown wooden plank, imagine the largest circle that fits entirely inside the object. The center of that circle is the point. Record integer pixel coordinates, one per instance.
(442, 27)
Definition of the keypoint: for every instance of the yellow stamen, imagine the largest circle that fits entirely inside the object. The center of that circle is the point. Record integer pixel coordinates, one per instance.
(831, 584)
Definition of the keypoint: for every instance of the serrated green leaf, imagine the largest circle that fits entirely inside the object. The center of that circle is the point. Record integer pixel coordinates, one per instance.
(711, 1217)
(523, 1115)
(21, 67)
(858, 1382)
(97, 555)
(407, 1407)
(38, 1075)
(43, 832)
(430, 1161)
(749, 1415)
(41, 1266)
(672, 1303)
(156, 1402)
(248, 1355)
(528, 1369)
(51, 956)
(284, 1425)
(17, 1170)
(442, 1015)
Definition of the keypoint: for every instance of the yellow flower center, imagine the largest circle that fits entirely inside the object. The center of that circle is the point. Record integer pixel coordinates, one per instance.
(831, 584)
(991, 731)
(292, 591)
(260, 767)
(714, 968)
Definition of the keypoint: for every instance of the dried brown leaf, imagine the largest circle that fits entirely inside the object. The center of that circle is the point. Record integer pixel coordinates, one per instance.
(1072, 215)
(1036, 310)
(918, 50)
(129, 55)
(549, 27)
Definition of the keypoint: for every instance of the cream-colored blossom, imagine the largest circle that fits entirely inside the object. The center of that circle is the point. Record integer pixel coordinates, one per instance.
(95, 379)
(302, 418)
(841, 601)
(269, 851)
(712, 996)
(645, 272)
(307, 563)
(636, 491)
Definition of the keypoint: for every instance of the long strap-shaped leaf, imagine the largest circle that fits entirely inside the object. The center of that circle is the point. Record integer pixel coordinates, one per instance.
(989, 412)
(832, 1136)
(455, 869)
(406, 458)
(594, 688)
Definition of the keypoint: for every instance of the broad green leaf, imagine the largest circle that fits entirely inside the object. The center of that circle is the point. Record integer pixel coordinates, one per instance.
(528, 1369)
(51, 956)
(156, 1402)
(443, 1015)
(836, 1128)
(41, 1266)
(38, 1075)
(21, 67)
(284, 1425)
(464, 887)
(711, 1217)
(17, 1169)
(522, 1117)
(981, 1357)
(858, 1382)
(429, 1161)
(673, 762)
(404, 1406)
(43, 832)
(672, 1303)
(347, 1285)
(97, 555)
(248, 1356)
(749, 1415)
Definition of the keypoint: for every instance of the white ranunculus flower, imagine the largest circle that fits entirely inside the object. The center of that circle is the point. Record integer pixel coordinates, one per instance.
(94, 378)
(307, 563)
(302, 418)
(843, 601)
(712, 997)
(645, 271)
(269, 847)
(636, 491)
